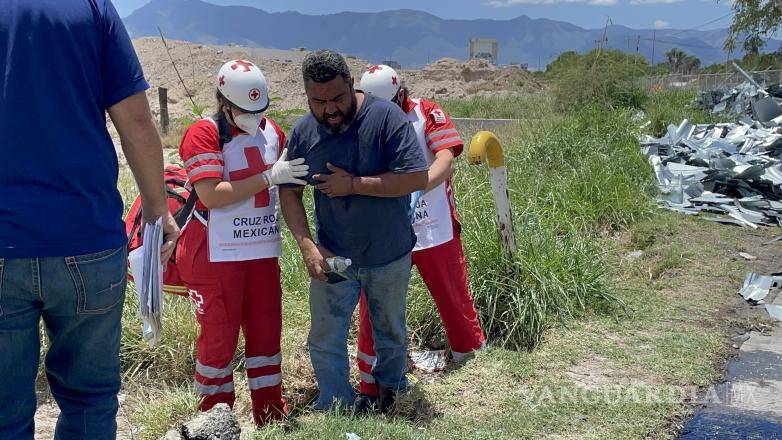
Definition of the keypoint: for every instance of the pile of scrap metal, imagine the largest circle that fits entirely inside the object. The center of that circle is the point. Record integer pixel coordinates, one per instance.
(746, 100)
(750, 100)
(757, 288)
(731, 169)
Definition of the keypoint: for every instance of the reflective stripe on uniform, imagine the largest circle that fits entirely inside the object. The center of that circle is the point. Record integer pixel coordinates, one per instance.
(203, 156)
(213, 373)
(204, 168)
(458, 357)
(366, 377)
(435, 134)
(448, 140)
(264, 381)
(263, 361)
(211, 390)
(371, 360)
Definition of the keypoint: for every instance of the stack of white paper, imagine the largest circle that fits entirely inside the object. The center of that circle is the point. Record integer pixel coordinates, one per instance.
(147, 270)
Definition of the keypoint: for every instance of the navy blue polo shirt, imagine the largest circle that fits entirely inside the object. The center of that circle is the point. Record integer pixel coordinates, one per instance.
(62, 64)
(369, 230)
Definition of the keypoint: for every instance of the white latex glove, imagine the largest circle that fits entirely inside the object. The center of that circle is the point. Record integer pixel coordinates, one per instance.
(285, 171)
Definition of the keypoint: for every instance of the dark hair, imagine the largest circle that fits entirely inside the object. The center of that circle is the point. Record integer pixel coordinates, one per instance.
(405, 90)
(323, 66)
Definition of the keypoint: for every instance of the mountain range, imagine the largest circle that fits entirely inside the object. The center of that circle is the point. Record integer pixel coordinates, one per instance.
(412, 38)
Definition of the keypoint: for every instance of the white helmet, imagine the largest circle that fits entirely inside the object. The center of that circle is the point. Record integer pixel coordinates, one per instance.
(381, 81)
(243, 84)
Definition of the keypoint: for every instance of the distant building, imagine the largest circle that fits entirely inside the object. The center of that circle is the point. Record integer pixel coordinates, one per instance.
(484, 48)
(392, 64)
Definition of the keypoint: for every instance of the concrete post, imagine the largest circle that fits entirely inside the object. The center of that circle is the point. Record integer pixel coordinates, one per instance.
(485, 147)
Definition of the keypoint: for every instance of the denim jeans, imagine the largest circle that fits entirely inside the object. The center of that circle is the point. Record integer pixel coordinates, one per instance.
(80, 300)
(331, 308)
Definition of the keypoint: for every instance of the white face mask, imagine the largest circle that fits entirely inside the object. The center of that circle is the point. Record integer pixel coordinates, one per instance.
(248, 122)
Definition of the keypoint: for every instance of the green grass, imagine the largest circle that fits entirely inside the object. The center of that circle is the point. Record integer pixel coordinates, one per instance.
(285, 118)
(531, 106)
(572, 179)
(608, 78)
(173, 358)
(157, 409)
(672, 107)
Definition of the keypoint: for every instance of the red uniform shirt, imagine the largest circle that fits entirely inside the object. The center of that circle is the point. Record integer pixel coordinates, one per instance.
(200, 150)
(440, 134)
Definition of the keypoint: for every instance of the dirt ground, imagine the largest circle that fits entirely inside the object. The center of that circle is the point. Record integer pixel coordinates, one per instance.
(740, 316)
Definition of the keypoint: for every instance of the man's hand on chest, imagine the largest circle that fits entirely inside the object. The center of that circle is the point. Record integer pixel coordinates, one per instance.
(337, 183)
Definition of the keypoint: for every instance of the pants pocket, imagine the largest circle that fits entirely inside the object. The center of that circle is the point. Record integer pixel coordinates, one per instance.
(207, 297)
(99, 279)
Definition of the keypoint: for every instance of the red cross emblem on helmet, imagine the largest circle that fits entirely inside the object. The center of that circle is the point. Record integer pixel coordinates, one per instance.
(374, 69)
(242, 63)
(394, 80)
(222, 80)
(255, 94)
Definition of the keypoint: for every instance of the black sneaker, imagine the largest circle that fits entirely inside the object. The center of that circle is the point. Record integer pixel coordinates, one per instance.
(386, 398)
(365, 404)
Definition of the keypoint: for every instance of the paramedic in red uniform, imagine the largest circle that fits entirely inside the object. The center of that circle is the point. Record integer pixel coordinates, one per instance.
(438, 253)
(228, 253)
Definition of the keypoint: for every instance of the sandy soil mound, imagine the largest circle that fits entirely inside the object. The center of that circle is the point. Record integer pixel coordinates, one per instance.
(451, 78)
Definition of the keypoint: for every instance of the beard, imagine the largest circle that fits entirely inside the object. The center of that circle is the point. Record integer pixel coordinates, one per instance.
(347, 118)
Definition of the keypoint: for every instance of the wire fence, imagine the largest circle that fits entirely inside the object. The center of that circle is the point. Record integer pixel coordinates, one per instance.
(709, 81)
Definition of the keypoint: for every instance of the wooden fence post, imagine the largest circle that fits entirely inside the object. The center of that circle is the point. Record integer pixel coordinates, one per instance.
(163, 97)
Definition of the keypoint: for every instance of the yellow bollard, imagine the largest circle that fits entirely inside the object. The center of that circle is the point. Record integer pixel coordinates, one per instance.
(485, 147)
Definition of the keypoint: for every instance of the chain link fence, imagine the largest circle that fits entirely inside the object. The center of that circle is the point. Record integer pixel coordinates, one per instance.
(709, 81)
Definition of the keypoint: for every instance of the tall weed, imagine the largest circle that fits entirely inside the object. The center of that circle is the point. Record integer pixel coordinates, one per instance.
(530, 106)
(673, 106)
(572, 180)
(606, 78)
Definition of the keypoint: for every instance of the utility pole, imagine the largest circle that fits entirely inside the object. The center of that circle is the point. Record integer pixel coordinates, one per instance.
(637, 48)
(601, 41)
(654, 41)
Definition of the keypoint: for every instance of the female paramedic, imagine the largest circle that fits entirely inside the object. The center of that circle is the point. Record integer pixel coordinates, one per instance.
(229, 249)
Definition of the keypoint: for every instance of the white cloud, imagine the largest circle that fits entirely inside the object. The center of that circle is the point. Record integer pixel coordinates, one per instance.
(506, 3)
(661, 24)
(651, 2)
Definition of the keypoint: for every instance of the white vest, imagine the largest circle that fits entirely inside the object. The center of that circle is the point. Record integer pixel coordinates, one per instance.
(247, 230)
(432, 222)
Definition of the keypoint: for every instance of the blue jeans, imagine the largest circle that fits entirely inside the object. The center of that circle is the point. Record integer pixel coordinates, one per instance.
(331, 308)
(80, 300)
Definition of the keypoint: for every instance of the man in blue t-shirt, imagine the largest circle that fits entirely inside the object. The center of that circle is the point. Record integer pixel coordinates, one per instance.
(63, 64)
(364, 162)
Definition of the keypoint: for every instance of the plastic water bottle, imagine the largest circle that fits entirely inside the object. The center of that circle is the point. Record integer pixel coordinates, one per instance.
(337, 267)
(338, 264)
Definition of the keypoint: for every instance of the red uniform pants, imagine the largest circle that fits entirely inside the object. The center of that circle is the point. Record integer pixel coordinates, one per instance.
(229, 296)
(444, 270)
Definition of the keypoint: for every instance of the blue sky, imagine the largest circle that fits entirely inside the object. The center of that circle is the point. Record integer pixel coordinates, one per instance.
(680, 14)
